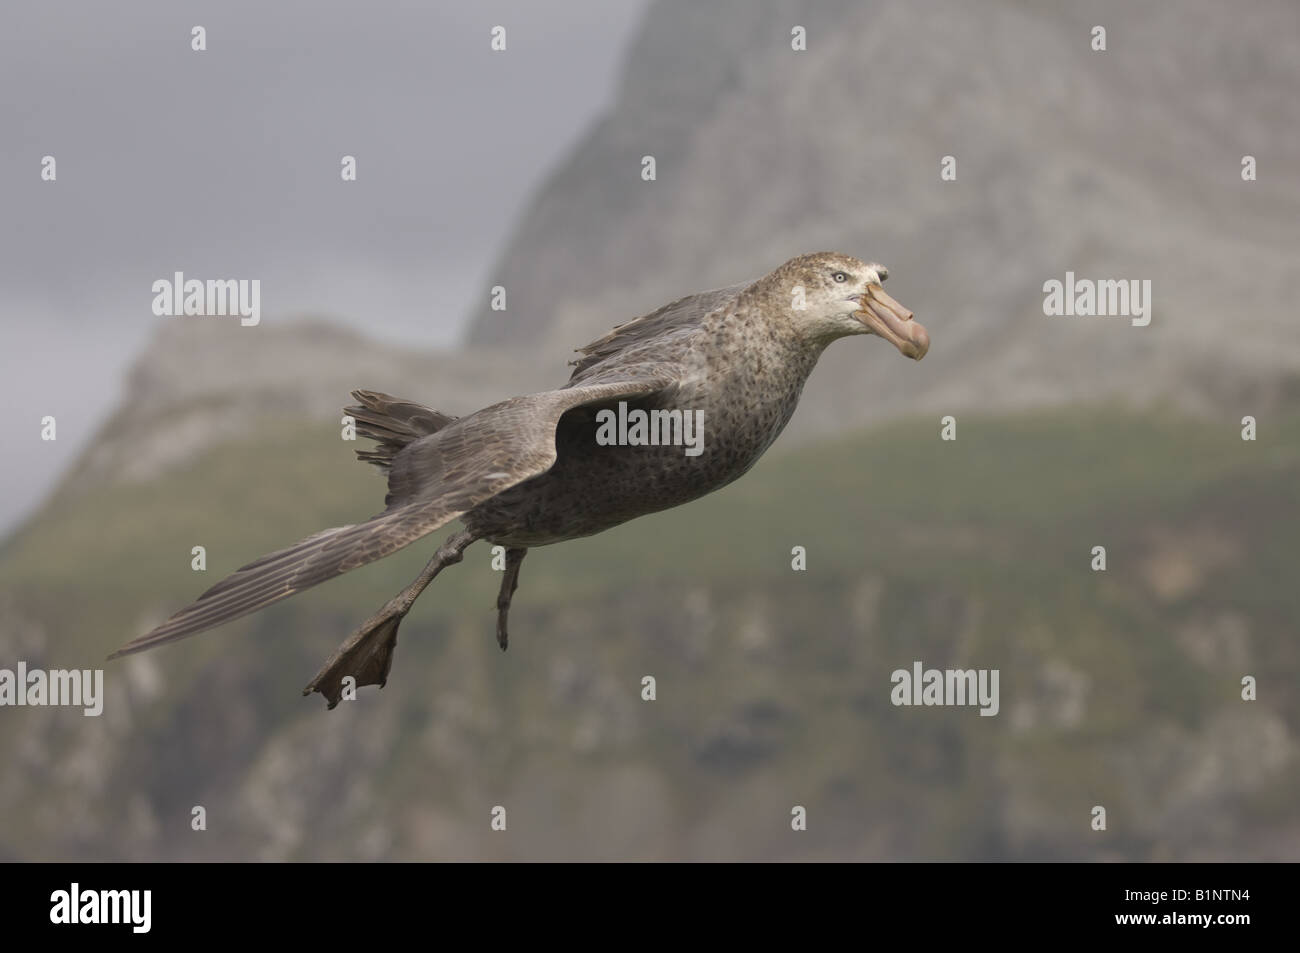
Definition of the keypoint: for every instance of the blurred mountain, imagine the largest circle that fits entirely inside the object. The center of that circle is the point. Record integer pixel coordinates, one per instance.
(1117, 164)
(200, 383)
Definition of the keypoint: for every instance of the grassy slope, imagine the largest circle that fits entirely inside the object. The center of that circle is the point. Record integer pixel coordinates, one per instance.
(774, 684)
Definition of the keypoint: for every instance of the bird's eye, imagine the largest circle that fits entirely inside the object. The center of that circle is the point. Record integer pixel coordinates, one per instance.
(840, 276)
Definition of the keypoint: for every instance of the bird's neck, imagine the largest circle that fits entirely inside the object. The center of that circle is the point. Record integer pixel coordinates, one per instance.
(758, 353)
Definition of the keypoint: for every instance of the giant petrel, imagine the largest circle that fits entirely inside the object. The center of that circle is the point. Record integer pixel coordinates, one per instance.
(542, 469)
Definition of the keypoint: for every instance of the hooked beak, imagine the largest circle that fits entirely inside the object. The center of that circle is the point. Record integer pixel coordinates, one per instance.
(884, 316)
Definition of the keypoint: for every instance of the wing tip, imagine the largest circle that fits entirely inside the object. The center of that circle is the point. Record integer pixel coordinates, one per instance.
(136, 645)
(130, 648)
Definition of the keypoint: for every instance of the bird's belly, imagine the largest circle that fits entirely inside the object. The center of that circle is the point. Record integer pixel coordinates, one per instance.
(592, 488)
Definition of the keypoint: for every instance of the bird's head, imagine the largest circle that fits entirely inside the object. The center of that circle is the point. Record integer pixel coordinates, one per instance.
(830, 295)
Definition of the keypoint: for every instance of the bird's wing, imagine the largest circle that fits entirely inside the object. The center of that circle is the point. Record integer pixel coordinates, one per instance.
(682, 314)
(470, 460)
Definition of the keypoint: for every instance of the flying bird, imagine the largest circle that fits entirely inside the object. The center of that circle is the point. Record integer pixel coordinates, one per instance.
(549, 467)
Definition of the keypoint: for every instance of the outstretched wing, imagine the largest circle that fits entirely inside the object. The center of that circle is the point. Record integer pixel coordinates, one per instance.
(682, 314)
(438, 478)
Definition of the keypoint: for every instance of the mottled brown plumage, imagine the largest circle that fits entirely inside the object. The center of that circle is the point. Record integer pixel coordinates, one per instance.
(530, 471)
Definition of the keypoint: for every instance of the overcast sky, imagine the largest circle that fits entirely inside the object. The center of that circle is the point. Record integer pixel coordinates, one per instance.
(225, 163)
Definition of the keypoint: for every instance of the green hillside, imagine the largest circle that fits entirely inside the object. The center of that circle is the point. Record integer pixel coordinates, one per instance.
(1119, 688)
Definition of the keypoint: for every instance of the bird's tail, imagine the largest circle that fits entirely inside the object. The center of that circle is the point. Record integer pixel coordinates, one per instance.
(393, 423)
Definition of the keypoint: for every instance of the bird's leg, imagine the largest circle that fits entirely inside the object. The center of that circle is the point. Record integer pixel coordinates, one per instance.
(367, 654)
(509, 583)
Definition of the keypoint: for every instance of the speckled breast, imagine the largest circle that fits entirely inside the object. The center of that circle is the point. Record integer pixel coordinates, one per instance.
(596, 484)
